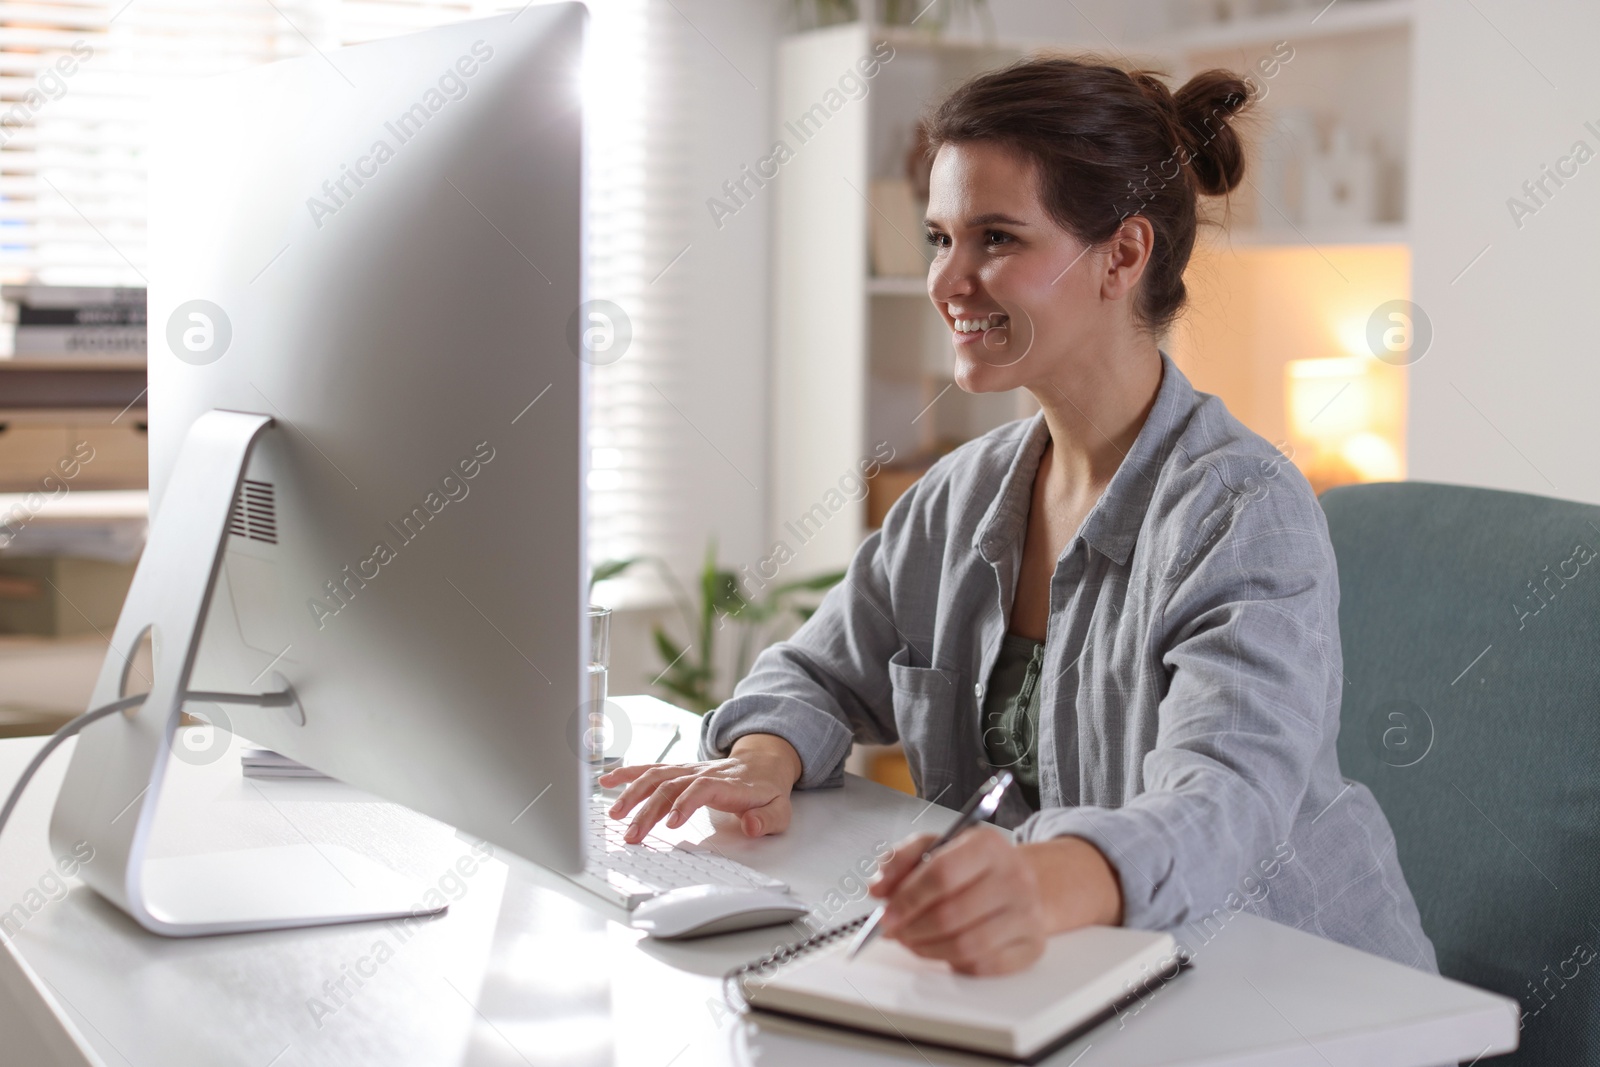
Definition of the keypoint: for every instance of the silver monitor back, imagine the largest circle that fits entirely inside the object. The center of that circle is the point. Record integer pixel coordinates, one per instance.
(382, 250)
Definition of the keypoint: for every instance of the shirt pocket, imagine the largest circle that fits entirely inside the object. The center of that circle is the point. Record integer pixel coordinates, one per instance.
(927, 710)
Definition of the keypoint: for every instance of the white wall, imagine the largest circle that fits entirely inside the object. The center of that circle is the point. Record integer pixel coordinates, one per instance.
(1505, 397)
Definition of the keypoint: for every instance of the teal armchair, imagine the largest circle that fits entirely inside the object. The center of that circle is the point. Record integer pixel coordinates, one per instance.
(1470, 620)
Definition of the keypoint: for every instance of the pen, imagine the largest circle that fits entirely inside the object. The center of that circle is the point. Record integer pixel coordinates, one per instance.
(980, 807)
(677, 732)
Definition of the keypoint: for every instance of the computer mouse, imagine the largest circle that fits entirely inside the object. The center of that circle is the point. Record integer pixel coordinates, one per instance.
(701, 910)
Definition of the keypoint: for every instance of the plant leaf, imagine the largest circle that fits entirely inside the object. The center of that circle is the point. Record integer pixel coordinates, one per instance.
(678, 689)
(670, 653)
(726, 597)
(814, 584)
(611, 568)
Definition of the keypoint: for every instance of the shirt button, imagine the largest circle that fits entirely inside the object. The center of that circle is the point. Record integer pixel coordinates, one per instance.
(977, 690)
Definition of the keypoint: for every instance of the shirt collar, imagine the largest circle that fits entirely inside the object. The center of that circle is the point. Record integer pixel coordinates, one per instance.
(1112, 525)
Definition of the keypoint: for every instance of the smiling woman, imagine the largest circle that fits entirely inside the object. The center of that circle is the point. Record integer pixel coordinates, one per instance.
(1172, 725)
(1112, 150)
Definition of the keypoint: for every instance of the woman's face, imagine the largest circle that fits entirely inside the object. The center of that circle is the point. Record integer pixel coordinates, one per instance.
(1024, 299)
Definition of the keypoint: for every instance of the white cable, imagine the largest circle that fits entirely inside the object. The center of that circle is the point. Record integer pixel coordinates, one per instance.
(281, 699)
(54, 743)
(265, 700)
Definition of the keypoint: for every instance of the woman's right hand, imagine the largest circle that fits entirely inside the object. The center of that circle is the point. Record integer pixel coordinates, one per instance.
(753, 783)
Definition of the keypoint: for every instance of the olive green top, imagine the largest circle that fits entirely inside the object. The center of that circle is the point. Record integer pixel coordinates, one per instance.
(1011, 713)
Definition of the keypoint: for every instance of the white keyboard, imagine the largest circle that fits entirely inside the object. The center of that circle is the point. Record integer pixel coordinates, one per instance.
(628, 875)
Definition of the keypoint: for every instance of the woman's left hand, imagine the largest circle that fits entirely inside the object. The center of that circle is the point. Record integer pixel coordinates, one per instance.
(986, 905)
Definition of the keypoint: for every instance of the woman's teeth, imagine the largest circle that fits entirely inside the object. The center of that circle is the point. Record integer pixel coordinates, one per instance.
(979, 325)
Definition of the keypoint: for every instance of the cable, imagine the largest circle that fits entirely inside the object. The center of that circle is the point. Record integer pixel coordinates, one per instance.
(281, 699)
(54, 743)
(264, 700)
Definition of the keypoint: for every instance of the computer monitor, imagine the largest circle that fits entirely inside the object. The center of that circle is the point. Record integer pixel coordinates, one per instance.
(366, 463)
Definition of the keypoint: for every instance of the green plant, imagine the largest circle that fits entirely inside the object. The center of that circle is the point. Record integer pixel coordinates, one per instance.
(935, 16)
(690, 671)
(814, 14)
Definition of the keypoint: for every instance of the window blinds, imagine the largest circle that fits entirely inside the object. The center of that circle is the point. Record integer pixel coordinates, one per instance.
(74, 80)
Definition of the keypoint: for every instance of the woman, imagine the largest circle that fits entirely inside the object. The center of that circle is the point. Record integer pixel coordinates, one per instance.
(1129, 599)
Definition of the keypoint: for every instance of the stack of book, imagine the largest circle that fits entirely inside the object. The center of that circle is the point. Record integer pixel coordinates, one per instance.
(76, 322)
(265, 763)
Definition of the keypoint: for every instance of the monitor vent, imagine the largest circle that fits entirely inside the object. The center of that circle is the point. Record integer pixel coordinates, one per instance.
(254, 514)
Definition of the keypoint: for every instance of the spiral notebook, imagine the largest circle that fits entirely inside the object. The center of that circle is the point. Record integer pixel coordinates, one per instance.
(1083, 978)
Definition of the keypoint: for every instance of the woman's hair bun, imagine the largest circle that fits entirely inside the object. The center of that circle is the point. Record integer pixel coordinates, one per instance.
(1205, 107)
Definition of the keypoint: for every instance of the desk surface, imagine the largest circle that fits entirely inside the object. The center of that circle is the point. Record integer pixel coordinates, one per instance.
(528, 969)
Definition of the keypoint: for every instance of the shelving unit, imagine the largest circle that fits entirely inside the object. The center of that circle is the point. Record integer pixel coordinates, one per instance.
(1377, 233)
(48, 404)
(862, 363)
(70, 384)
(54, 612)
(1301, 24)
(1267, 291)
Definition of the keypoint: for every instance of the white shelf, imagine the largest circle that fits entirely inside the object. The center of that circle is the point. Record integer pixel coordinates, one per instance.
(83, 506)
(888, 285)
(914, 39)
(911, 39)
(1341, 18)
(1388, 233)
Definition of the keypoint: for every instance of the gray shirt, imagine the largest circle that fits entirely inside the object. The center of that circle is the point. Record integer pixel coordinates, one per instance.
(1189, 705)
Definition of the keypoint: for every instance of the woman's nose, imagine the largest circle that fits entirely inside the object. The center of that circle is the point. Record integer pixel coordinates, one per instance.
(947, 280)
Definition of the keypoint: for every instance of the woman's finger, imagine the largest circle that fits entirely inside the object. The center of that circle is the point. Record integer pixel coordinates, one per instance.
(1008, 958)
(995, 924)
(770, 818)
(646, 784)
(718, 793)
(972, 945)
(623, 775)
(906, 855)
(979, 902)
(655, 807)
(949, 870)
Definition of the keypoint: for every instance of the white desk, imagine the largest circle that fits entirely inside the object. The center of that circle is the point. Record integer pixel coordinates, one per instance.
(528, 969)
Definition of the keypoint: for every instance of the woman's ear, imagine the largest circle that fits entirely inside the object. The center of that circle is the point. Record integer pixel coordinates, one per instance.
(1127, 255)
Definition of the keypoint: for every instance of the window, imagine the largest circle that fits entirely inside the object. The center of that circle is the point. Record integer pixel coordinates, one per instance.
(75, 78)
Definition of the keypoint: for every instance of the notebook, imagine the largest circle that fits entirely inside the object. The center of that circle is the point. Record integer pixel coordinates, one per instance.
(1082, 978)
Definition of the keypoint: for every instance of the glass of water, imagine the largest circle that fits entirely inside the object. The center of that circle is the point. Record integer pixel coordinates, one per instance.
(598, 729)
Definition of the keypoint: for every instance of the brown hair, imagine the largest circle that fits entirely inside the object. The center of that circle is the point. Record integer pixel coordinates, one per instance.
(1110, 143)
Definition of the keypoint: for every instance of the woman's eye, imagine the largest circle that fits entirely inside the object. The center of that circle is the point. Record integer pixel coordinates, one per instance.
(937, 240)
(995, 237)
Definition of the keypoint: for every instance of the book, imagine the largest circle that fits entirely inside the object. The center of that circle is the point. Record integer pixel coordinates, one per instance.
(1082, 979)
(250, 771)
(265, 763)
(71, 296)
(53, 321)
(117, 342)
(83, 315)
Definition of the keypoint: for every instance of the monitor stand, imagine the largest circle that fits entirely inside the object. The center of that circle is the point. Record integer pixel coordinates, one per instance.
(109, 796)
